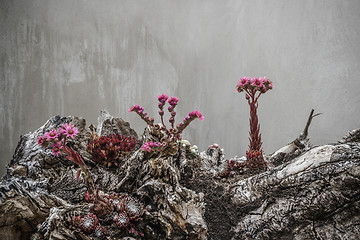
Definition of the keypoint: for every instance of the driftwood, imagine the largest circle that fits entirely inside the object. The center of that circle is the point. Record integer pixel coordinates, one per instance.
(312, 194)
(297, 146)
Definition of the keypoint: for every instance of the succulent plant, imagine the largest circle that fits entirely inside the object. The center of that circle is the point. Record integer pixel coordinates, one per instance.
(99, 232)
(254, 88)
(89, 223)
(132, 207)
(169, 135)
(76, 220)
(109, 150)
(122, 220)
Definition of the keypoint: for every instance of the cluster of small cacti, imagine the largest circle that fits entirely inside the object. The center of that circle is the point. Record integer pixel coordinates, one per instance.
(89, 224)
(125, 204)
(121, 219)
(109, 150)
(127, 211)
(124, 209)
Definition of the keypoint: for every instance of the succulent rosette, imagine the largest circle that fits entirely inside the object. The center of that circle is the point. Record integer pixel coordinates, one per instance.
(109, 150)
(89, 223)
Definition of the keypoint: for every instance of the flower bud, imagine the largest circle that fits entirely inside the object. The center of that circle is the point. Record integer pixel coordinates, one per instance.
(173, 114)
(173, 131)
(161, 113)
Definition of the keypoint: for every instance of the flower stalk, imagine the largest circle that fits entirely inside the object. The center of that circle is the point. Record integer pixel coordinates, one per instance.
(172, 134)
(56, 140)
(254, 88)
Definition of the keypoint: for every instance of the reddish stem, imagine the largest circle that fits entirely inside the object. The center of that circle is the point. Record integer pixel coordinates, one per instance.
(162, 120)
(255, 136)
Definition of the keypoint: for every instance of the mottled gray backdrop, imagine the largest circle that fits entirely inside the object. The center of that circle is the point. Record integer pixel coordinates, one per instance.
(76, 57)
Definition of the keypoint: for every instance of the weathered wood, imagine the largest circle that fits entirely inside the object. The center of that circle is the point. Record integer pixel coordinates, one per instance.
(314, 194)
(296, 147)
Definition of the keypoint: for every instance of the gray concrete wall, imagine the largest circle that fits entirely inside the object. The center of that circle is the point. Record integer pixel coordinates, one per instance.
(78, 57)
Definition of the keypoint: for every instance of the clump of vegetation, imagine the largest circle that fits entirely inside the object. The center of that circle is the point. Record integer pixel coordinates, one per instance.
(125, 209)
(168, 135)
(109, 150)
(254, 88)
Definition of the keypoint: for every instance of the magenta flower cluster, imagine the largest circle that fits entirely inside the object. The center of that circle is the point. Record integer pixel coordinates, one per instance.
(56, 138)
(128, 210)
(189, 118)
(254, 88)
(151, 146)
(174, 132)
(248, 84)
(140, 111)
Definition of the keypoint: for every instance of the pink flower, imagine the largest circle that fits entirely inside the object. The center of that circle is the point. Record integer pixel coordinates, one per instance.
(161, 105)
(69, 130)
(41, 140)
(148, 146)
(243, 81)
(266, 80)
(56, 147)
(173, 101)
(263, 89)
(162, 98)
(141, 111)
(197, 114)
(51, 135)
(258, 83)
(135, 108)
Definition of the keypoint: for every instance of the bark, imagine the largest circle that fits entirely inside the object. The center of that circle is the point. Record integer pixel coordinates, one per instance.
(312, 194)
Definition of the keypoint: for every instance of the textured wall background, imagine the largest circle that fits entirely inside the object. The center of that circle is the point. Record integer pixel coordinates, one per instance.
(77, 57)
